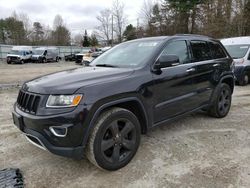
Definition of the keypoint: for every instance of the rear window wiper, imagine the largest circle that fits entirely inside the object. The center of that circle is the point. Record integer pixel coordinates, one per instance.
(105, 65)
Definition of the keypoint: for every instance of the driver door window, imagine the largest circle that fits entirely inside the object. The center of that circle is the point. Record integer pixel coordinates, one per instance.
(178, 48)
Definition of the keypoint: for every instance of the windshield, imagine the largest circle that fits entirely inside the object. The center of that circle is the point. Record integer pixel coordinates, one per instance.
(129, 54)
(38, 52)
(16, 52)
(237, 51)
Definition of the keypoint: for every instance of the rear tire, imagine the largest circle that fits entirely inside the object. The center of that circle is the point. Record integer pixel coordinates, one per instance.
(221, 101)
(114, 139)
(245, 79)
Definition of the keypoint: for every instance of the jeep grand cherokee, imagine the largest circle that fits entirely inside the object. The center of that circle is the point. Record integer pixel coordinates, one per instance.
(103, 109)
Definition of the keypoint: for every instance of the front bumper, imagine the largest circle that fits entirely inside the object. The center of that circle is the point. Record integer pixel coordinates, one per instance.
(13, 60)
(239, 72)
(37, 131)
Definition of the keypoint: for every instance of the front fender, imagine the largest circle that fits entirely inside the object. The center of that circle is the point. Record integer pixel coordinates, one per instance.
(97, 109)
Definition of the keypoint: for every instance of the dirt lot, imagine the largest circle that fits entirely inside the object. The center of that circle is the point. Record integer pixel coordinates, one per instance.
(196, 151)
(17, 73)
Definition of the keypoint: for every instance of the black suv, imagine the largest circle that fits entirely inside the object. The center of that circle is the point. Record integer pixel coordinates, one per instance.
(103, 109)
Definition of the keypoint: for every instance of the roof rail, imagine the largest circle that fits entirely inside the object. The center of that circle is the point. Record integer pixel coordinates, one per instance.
(194, 35)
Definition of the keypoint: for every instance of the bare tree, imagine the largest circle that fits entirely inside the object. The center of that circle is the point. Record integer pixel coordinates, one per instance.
(26, 21)
(58, 21)
(146, 11)
(119, 18)
(60, 35)
(78, 39)
(105, 19)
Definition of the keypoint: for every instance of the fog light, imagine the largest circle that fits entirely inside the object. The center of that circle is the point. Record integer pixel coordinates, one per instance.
(59, 131)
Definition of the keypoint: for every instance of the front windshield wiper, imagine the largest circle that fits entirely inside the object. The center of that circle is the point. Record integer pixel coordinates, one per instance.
(105, 65)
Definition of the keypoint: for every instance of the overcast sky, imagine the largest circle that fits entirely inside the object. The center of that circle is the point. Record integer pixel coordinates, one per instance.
(77, 14)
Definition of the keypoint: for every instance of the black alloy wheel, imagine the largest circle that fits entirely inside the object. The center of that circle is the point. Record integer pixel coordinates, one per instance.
(221, 101)
(114, 139)
(118, 141)
(224, 101)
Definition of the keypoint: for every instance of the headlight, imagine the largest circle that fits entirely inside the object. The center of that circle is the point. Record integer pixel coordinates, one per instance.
(57, 101)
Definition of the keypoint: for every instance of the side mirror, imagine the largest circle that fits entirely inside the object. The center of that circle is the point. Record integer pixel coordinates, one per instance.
(248, 57)
(167, 61)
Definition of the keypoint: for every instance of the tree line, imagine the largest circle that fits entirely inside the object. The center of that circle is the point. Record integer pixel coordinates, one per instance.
(17, 30)
(215, 18)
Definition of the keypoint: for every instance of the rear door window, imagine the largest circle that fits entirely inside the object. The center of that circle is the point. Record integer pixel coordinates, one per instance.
(200, 51)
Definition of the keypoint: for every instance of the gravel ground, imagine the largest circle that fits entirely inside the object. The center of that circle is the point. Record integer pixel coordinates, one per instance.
(196, 151)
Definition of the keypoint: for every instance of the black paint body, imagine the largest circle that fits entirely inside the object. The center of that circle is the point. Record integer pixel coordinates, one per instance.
(159, 96)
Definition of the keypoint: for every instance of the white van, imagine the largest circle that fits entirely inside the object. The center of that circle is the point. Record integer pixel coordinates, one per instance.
(19, 54)
(45, 54)
(239, 49)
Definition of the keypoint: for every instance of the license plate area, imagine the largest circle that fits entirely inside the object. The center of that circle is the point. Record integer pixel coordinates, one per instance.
(18, 120)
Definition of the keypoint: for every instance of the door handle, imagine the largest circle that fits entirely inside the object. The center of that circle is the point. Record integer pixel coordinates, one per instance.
(216, 65)
(190, 70)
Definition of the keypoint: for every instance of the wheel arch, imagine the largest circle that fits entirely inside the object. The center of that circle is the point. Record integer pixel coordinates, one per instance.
(132, 104)
(229, 80)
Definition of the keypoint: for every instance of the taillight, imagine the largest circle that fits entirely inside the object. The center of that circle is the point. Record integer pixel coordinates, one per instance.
(233, 66)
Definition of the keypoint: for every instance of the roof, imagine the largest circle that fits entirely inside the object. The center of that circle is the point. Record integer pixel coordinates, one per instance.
(22, 48)
(46, 48)
(236, 41)
(193, 36)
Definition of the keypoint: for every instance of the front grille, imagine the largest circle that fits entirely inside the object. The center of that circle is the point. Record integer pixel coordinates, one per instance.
(28, 102)
(13, 58)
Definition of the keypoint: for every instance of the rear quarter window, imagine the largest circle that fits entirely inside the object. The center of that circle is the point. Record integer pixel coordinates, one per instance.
(200, 51)
(216, 50)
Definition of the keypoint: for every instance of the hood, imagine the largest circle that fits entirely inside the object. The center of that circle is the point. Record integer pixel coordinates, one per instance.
(13, 55)
(80, 54)
(69, 81)
(36, 56)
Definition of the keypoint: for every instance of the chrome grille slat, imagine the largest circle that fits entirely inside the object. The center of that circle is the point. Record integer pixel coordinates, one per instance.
(28, 102)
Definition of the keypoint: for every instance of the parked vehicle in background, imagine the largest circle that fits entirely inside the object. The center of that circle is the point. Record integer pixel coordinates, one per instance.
(80, 55)
(90, 56)
(239, 49)
(71, 57)
(103, 109)
(45, 54)
(87, 59)
(19, 54)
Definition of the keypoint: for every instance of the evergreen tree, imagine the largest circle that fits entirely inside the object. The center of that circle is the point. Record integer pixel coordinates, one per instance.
(86, 42)
(130, 32)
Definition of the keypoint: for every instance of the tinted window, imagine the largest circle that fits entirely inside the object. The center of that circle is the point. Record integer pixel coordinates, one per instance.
(216, 50)
(178, 48)
(201, 51)
(237, 51)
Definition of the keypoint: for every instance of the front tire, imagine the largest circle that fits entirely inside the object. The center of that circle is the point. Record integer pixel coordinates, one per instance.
(221, 101)
(44, 60)
(114, 139)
